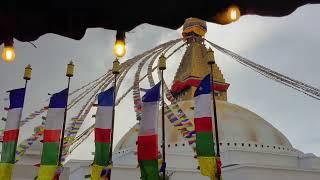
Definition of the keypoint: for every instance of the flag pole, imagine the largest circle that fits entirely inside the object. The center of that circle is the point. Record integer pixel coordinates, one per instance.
(69, 74)
(162, 67)
(115, 72)
(211, 62)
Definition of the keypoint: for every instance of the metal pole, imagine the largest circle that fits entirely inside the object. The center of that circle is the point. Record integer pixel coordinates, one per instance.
(25, 85)
(163, 129)
(215, 117)
(112, 130)
(63, 127)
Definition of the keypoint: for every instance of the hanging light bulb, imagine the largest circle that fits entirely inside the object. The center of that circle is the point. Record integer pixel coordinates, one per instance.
(228, 15)
(119, 48)
(8, 54)
(233, 13)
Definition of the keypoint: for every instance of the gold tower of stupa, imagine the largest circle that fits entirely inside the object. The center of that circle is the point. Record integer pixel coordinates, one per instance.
(194, 67)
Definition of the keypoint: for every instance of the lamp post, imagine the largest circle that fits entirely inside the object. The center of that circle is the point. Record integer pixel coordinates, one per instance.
(115, 72)
(69, 74)
(162, 67)
(211, 62)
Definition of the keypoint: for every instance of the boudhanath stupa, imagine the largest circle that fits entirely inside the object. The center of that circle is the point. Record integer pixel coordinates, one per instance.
(251, 148)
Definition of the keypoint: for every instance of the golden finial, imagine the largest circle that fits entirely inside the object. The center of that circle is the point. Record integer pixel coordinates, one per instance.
(116, 67)
(210, 56)
(27, 72)
(70, 69)
(162, 62)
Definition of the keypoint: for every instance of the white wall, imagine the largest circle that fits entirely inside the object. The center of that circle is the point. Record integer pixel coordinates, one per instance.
(240, 172)
(268, 173)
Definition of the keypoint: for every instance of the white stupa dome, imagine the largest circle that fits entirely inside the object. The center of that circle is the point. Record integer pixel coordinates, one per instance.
(238, 127)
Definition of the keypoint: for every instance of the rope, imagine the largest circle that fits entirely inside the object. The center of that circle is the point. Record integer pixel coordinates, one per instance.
(176, 115)
(136, 88)
(77, 122)
(81, 138)
(37, 133)
(77, 141)
(38, 130)
(125, 67)
(285, 80)
(85, 134)
(88, 84)
(180, 121)
(86, 92)
(141, 79)
(36, 113)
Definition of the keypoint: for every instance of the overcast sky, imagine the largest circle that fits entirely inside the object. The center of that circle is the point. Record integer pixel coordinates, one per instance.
(289, 45)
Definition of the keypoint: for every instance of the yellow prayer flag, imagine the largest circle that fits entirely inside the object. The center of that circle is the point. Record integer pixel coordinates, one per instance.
(47, 172)
(6, 171)
(208, 166)
(96, 172)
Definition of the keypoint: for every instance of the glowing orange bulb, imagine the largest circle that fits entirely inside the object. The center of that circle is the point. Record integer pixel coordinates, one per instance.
(8, 54)
(233, 13)
(119, 48)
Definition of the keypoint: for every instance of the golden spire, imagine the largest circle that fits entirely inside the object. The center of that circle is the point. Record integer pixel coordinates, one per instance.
(193, 68)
